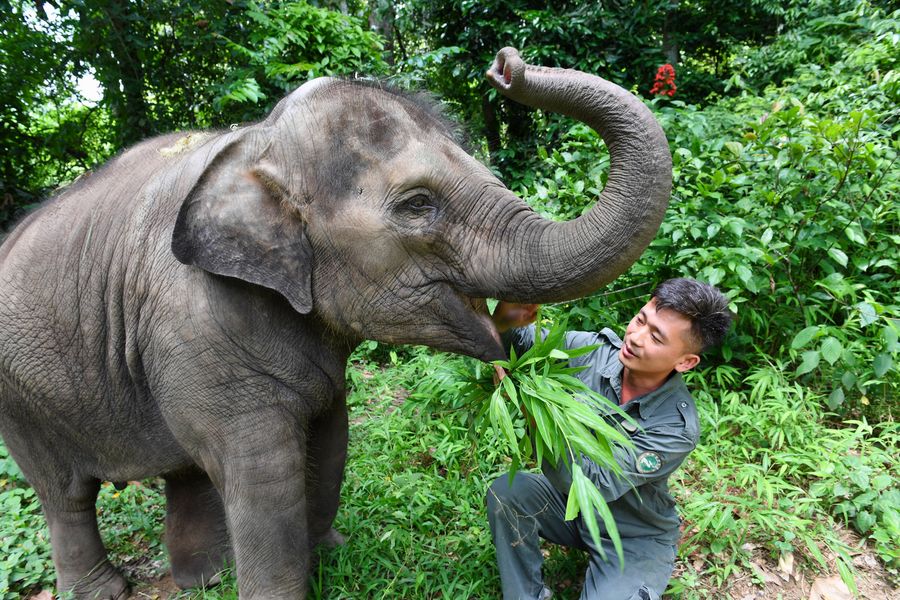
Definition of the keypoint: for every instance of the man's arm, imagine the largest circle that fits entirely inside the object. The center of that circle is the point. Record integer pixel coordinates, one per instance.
(657, 453)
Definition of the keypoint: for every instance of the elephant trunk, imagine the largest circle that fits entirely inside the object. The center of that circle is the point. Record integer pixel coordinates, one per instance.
(545, 261)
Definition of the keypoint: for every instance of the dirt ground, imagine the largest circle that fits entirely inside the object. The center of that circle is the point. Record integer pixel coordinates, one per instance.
(773, 581)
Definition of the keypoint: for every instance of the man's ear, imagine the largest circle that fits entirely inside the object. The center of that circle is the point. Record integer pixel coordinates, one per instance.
(237, 222)
(687, 362)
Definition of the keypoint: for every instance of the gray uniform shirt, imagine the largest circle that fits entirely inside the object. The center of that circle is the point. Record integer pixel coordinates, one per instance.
(668, 429)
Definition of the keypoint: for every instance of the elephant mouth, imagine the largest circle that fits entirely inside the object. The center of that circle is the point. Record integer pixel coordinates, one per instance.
(489, 345)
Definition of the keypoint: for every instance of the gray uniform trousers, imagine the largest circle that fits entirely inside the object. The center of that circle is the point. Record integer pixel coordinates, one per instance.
(531, 509)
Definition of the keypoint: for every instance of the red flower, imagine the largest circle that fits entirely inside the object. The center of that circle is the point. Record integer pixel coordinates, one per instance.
(664, 84)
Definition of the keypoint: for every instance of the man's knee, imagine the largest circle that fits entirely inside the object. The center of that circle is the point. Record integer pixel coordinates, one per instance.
(500, 493)
(520, 494)
(645, 593)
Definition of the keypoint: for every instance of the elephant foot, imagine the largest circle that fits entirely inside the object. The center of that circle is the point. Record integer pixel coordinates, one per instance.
(332, 539)
(197, 571)
(103, 582)
(196, 535)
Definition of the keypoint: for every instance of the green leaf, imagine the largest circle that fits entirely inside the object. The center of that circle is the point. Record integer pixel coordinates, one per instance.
(890, 338)
(882, 364)
(867, 314)
(804, 337)
(810, 362)
(582, 488)
(854, 234)
(882, 481)
(864, 521)
(572, 507)
(848, 379)
(736, 148)
(491, 305)
(501, 420)
(836, 398)
(510, 389)
(813, 548)
(576, 352)
(831, 349)
(558, 354)
(838, 255)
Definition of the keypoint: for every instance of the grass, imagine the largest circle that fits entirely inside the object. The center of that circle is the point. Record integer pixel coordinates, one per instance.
(769, 474)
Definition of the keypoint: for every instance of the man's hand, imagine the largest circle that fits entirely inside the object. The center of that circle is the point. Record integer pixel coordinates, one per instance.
(508, 315)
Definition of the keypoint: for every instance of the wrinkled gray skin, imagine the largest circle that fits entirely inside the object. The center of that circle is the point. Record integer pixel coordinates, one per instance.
(188, 310)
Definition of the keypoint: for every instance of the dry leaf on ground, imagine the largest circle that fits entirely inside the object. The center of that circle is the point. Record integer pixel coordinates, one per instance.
(830, 588)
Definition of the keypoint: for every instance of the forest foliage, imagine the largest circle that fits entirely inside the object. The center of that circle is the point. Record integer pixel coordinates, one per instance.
(784, 130)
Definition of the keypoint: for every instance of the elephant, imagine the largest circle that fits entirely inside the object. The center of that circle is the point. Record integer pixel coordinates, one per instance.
(187, 310)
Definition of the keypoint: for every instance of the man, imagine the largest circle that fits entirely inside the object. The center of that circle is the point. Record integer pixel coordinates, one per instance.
(643, 375)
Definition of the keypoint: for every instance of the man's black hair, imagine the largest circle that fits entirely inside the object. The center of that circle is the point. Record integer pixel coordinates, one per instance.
(704, 305)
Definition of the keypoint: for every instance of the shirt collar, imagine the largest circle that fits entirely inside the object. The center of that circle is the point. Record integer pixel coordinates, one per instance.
(613, 369)
(648, 403)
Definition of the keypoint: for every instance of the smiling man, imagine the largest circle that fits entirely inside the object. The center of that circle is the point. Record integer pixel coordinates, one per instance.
(642, 374)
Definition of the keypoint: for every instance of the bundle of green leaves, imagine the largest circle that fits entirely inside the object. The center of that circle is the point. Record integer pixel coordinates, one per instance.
(540, 411)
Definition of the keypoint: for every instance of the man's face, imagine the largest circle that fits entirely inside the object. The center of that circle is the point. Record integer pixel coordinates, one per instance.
(658, 342)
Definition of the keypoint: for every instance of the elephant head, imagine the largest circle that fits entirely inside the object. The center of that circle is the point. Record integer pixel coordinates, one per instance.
(360, 207)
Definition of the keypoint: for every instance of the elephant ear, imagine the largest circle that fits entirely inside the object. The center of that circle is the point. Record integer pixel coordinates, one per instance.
(237, 222)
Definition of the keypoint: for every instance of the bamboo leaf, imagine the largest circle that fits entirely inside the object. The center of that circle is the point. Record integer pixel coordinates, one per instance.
(572, 506)
(576, 352)
(558, 354)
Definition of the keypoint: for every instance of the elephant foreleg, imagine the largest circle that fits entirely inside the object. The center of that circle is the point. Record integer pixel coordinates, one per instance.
(327, 453)
(196, 530)
(263, 486)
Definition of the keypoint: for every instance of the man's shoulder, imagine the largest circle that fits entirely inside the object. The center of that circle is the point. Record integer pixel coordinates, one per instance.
(602, 357)
(605, 337)
(610, 337)
(684, 404)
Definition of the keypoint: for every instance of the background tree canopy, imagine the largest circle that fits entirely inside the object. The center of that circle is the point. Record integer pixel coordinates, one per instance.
(784, 133)
(163, 65)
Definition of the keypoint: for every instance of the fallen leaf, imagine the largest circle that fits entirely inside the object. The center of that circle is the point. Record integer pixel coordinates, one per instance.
(865, 561)
(830, 588)
(764, 573)
(786, 565)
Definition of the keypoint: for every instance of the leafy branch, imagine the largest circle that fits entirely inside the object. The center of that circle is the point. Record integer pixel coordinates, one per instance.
(539, 410)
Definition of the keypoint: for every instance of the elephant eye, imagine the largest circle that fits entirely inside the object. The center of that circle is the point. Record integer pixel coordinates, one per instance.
(418, 205)
(418, 202)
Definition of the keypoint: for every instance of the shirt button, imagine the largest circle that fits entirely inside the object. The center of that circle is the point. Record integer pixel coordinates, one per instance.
(684, 405)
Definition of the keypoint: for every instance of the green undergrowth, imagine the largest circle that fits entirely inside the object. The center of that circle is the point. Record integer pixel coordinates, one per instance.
(787, 199)
(772, 478)
(130, 521)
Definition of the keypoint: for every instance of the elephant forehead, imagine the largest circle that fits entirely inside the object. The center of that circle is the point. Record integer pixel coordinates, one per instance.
(360, 127)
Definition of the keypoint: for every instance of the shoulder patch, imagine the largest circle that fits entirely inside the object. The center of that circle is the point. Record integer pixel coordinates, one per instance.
(649, 462)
